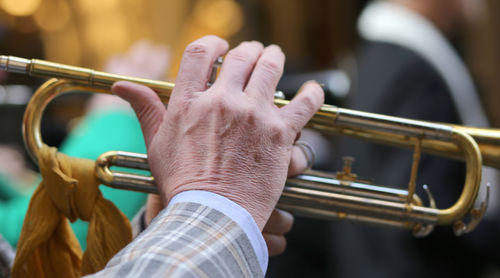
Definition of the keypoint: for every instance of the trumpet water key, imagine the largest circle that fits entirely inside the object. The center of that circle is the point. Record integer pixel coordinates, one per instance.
(311, 194)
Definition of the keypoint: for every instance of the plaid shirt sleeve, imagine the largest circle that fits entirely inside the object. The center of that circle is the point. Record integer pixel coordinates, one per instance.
(187, 240)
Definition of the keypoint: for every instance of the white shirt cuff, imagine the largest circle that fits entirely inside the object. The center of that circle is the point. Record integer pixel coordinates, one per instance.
(234, 211)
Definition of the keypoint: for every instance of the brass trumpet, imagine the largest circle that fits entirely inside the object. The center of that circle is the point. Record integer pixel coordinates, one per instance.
(311, 194)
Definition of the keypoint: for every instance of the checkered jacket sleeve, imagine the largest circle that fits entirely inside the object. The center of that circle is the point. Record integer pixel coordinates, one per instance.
(187, 240)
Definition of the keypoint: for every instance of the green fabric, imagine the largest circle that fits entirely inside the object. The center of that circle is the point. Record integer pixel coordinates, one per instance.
(96, 134)
(12, 216)
(8, 188)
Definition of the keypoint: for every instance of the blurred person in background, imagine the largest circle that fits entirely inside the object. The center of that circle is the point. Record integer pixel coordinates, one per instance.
(407, 67)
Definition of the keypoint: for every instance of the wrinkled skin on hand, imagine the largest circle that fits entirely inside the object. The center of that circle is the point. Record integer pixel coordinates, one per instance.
(229, 139)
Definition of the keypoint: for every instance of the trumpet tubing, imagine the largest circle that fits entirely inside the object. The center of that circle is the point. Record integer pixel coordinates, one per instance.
(312, 194)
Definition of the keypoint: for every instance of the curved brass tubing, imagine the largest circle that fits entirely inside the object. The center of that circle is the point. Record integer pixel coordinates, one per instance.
(472, 180)
(312, 194)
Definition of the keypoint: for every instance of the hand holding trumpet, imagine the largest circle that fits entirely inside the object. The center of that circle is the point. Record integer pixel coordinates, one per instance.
(229, 139)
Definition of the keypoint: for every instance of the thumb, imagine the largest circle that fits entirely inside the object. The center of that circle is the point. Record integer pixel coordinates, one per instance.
(146, 104)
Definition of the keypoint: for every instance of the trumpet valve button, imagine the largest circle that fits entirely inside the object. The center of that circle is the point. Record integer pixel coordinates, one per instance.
(346, 173)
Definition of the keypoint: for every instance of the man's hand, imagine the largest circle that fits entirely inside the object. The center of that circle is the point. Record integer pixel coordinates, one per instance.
(277, 225)
(228, 139)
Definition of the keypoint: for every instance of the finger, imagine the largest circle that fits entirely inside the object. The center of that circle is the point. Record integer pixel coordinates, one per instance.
(196, 65)
(279, 223)
(276, 244)
(146, 104)
(303, 106)
(298, 162)
(267, 73)
(238, 65)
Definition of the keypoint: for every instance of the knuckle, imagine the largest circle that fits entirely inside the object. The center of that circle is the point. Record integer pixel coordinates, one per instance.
(221, 105)
(277, 131)
(238, 55)
(196, 49)
(144, 112)
(271, 66)
(309, 103)
(250, 116)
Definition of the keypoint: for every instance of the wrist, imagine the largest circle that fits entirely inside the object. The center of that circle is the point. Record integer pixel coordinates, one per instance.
(259, 206)
(256, 207)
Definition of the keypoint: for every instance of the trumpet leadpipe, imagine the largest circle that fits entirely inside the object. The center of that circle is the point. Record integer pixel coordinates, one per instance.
(83, 76)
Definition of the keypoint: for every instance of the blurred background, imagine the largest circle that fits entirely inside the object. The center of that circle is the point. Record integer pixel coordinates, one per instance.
(319, 38)
(316, 35)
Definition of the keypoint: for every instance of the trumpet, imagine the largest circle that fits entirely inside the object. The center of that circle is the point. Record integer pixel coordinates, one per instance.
(312, 194)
